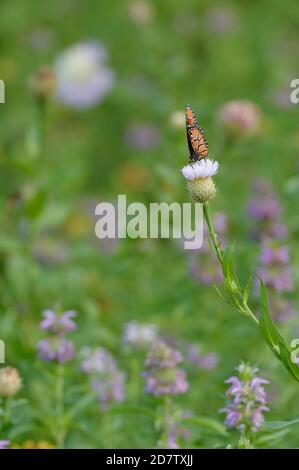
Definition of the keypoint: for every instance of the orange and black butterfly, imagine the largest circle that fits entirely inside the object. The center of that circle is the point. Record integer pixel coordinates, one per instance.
(197, 143)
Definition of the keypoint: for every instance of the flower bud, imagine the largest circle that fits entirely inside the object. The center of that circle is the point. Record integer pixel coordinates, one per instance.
(200, 184)
(201, 189)
(43, 83)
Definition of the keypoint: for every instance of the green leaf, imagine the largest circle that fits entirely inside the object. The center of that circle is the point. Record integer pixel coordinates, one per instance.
(228, 268)
(81, 404)
(247, 289)
(207, 423)
(36, 204)
(271, 438)
(276, 425)
(267, 326)
(285, 354)
(116, 409)
(272, 336)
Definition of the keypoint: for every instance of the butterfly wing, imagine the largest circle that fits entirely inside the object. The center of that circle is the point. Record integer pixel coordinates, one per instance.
(197, 143)
(191, 150)
(190, 116)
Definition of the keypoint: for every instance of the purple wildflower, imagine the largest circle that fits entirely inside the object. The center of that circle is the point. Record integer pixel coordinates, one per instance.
(171, 442)
(246, 400)
(58, 324)
(207, 361)
(162, 375)
(56, 349)
(105, 377)
(274, 269)
(83, 79)
(204, 270)
(281, 309)
(274, 255)
(173, 431)
(4, 444)
(143, 136)
(221, 224)
(279, 278)
(266, 211)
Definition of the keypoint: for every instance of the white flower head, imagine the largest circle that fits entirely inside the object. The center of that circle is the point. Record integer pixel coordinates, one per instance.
(83, 79)
(203, 168)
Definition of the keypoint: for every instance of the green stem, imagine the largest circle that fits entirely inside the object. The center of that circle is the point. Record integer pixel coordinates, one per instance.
(60, 427)
(242, 305)
(41, 118)
(107, 436)
(166, 411)
(5, 413)
(136, 378)
(212, 233)
(244, 441)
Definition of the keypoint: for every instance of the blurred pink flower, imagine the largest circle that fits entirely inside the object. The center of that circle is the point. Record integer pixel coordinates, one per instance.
(4, 444)
(141, 12)
(241, 118)
(142, 136)
(221, 20)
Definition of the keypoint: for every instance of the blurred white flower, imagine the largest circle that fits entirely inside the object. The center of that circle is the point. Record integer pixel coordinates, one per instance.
(140, 335)
(83, 79)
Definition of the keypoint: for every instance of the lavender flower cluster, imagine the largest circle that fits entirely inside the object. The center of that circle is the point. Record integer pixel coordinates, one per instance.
(161, 373)
(174, 432)
(246, 400)
(105, 377)
(4, 444)
(56, 347)
(208, 361)
(265, 210)
(275, 269)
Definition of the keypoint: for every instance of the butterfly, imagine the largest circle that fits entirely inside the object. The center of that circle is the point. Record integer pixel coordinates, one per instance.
(197, 143)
